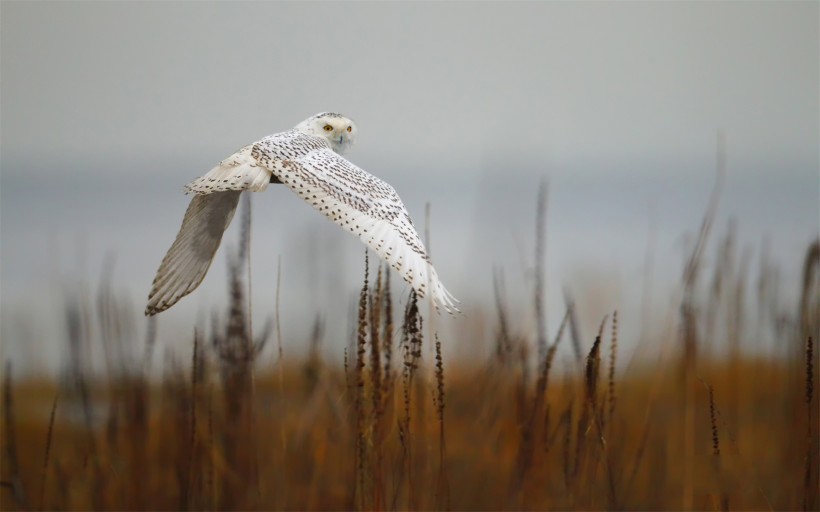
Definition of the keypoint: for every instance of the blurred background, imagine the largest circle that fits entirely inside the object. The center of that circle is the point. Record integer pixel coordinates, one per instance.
(108, 109)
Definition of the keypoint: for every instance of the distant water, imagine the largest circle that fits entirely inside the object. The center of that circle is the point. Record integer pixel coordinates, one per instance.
(59, 227)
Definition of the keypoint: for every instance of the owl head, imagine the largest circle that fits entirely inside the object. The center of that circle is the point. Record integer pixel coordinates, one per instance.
(339, 131)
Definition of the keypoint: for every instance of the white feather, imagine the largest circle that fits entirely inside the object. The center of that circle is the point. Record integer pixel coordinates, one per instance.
(190, 256)
(239, 171)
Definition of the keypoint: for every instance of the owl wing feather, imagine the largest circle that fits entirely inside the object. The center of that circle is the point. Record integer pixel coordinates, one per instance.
(208, 216)
(367, 207)
(184, 266)
(239, 171)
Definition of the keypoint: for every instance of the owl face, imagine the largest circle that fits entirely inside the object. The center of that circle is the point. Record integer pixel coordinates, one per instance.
(339, 131)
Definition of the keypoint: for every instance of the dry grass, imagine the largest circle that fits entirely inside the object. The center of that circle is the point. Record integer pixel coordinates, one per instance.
(185, 457)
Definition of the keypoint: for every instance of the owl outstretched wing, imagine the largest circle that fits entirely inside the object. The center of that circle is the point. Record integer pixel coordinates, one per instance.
(191, 254)
(367, 207)
(208, 216)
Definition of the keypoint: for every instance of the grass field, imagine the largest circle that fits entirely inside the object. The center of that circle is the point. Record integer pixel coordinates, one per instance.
(394, 426)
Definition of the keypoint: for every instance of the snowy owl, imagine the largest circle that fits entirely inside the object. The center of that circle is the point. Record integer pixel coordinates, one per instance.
(307, 159)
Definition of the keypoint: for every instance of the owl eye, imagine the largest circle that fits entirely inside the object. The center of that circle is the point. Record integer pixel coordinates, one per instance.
(349, 128)
(328, 128)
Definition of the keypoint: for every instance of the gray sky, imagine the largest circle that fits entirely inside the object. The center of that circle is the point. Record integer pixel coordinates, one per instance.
(546, 81)
(108, 108)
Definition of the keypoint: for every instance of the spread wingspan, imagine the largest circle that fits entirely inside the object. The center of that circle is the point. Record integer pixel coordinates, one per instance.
(306, 163)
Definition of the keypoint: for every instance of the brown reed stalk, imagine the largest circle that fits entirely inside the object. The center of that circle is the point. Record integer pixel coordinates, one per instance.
(348, 380)
(522, 410)
(203, 397)
(639, 454)
(313, 364)
(377, 389)
(546, 365)
(808, 314)
(282, 495)
(442, 486)
(137, 394)
(237, 352)
(15, 482)
(415, 330)
(189, 493)
(62, 480)
(77, 320)
(591, 391)
(110, 330)
(566, 445)
(47, 454)
(412, 338)
(809, 483)
(387, 336)
(581, 430)
(713, 422)
(574, 329)
(714, 428)
(591, 418)
(503, 345)
(727, 431)
(278, 321)
(585, 423)
(608, 471)
(693, 262)
(401, 467)
(210, 492)
(375, 341)
(540, 277)
(181, 397)
(722, 502)
(689, 324)
(439, 396)
(546, 439)
(411, 341)
(279, 350)
(119, 399)
(361, 343)
(613, 352)
(374, 313)
(690, 343)
(592, 370)
(809, 374)
(529, 426)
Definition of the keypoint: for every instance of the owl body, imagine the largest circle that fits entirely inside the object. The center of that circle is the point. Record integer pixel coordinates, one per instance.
(306, 159)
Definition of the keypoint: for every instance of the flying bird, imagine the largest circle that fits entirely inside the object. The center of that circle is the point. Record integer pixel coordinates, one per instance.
(306, 159)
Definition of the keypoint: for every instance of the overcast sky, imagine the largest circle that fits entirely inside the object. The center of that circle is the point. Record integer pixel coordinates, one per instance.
(108, 108)
(552, 81)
